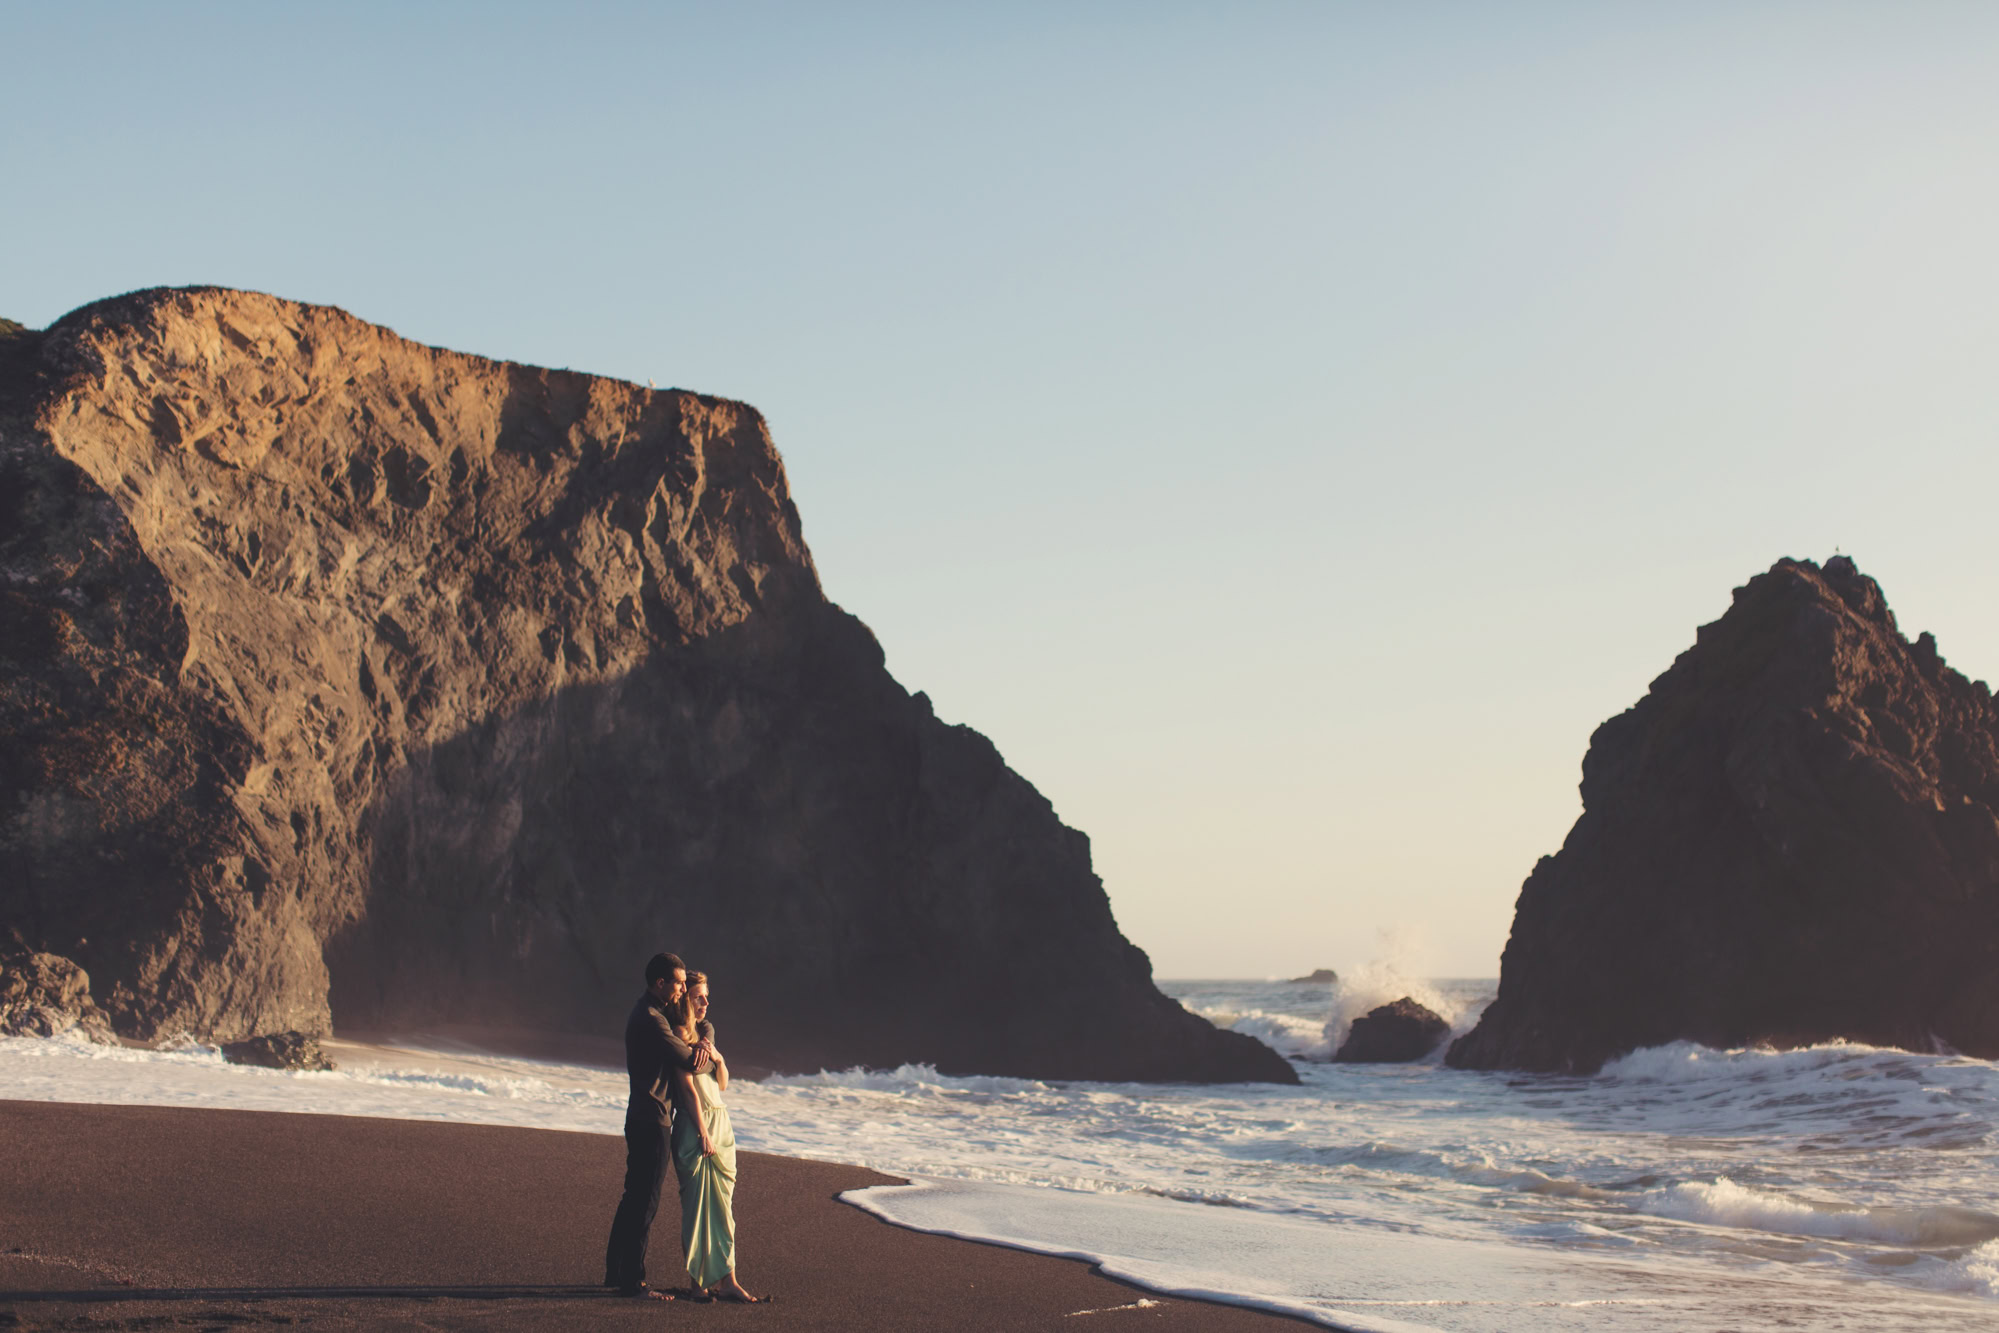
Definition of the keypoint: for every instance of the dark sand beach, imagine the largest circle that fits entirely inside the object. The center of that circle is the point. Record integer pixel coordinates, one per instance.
(159, 1217)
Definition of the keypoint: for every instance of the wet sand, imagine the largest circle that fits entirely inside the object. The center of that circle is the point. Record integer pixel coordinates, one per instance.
(148, 1217)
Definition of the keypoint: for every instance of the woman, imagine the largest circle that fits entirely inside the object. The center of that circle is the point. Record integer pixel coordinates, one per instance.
(704, 1157)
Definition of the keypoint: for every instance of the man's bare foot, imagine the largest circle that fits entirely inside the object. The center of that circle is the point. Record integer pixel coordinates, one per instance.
(644, 1293)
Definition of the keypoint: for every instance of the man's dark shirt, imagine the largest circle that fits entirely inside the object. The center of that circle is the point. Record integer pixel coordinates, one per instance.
(653, 1055)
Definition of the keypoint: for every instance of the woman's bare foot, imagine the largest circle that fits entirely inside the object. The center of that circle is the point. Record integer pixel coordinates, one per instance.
(728, 1289)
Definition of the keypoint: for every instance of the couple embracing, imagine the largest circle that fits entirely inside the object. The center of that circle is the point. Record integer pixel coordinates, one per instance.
(676, 1114)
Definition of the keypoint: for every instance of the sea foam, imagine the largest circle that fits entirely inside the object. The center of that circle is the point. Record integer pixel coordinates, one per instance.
(1976, 1273)
(908, 1080)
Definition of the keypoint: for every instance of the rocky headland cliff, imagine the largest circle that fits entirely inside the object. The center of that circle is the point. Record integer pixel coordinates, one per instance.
(349, 681)
(1791, 838)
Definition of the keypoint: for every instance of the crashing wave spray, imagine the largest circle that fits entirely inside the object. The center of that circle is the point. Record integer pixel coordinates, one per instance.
(1385, 979)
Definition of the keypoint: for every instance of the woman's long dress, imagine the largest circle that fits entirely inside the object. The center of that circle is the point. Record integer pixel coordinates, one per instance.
(707, 1187)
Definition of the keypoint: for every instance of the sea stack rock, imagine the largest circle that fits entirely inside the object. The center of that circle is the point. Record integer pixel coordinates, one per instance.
(349, 681)
(1790, 839)
(1392, 1034)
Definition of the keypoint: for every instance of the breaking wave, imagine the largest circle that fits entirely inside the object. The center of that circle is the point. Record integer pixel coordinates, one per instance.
(1725, 1203)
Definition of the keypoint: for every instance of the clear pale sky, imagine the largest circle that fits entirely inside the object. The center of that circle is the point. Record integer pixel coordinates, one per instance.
(1286, 429)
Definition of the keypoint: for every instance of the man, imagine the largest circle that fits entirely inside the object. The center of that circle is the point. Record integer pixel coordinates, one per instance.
(653, 1054)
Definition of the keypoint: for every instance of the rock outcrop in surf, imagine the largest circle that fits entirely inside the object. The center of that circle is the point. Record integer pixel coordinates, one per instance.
(346, 680)
(42, 995)
(1794, 837)
(278, 1050)
(1392, 1034)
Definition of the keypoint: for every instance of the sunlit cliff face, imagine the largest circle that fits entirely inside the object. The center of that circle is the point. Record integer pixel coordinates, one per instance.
(376, 684)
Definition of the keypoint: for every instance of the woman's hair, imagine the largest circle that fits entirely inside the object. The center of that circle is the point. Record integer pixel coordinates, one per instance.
(681, 1012)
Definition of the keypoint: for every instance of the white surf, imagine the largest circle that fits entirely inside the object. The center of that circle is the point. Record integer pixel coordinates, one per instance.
(1837, 1187)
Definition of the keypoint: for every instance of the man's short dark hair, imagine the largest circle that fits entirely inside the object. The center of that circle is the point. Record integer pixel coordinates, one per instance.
(663, 966)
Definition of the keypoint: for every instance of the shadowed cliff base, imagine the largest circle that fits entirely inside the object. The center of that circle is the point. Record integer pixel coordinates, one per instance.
(1793, 838)
(478, 683)
(865, 885)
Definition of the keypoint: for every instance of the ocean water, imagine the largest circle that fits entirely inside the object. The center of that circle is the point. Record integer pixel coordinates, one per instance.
(1840, 1187)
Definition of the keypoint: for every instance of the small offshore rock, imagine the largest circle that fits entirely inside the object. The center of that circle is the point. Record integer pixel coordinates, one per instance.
(1321, 976)
(278, 1050)
(1393, 1034)
(47, 995)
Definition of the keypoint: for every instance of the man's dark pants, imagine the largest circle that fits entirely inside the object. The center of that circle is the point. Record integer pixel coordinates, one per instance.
(645, 1171)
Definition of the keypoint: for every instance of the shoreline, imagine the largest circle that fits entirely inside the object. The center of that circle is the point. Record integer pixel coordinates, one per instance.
(131, 1216)
(447, 1041)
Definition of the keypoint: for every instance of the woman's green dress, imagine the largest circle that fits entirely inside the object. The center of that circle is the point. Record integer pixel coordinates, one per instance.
(707, 1187)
